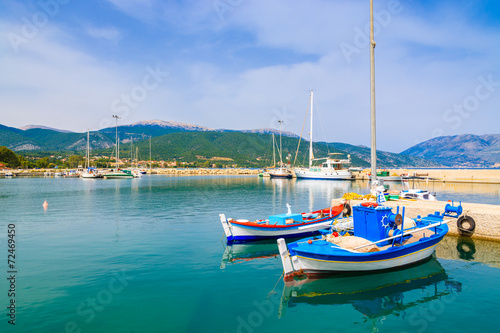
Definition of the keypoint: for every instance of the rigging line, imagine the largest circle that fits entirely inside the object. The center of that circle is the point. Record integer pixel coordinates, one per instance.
(323, 130)
(302, 130)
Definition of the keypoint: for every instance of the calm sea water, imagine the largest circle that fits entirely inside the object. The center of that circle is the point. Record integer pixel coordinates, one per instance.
(145, 255)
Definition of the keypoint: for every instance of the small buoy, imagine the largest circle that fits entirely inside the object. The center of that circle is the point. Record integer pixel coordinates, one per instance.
(45, 204)
(309, 241)
(335, 234)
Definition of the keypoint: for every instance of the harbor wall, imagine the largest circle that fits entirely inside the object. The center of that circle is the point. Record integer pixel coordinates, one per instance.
(486, 217)
(488, 176)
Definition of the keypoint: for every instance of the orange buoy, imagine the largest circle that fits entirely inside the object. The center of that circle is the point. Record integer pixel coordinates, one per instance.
(310, 241)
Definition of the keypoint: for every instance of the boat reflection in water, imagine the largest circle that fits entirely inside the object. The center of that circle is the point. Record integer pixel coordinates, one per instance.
(241, 252)
(374, 295)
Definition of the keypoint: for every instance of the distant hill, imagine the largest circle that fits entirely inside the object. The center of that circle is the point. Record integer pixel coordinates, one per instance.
(27, 127)
(465, 150)
(191, 143)
(255, 149)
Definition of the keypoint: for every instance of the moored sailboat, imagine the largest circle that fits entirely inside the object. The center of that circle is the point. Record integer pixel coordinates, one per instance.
(331, 168)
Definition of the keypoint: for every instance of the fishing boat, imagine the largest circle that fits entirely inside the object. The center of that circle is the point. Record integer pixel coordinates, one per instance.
(379, 240)
(286, 225)
(416, 193)
(332, 168)
(386, 176)
(117, 173)
(282, 172)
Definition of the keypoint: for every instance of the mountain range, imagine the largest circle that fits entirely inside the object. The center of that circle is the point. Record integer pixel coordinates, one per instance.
(465, 150)
(186, 142)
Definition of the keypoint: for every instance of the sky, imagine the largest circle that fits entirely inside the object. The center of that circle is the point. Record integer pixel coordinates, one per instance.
(241, 64)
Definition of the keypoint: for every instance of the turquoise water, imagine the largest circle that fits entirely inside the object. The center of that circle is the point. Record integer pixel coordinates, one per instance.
(145, 255)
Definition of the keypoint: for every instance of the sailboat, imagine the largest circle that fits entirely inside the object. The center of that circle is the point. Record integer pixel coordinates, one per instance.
(332, 168)
(265, 172)
(379, 239)
(90, 172)
(117, 173)
(283, 171)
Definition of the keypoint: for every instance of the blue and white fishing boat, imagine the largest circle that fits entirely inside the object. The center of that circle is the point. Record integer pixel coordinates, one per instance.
(379, 240)
(287, 225)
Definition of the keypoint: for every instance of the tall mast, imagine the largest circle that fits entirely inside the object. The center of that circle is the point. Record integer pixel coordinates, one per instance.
(281, 149)
(311, 155)
(150, 154)
(87, 162)
(117, 143)
(274, 152)
(372, 85)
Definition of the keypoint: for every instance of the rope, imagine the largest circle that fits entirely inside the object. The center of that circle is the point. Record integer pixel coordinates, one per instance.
(272, 291)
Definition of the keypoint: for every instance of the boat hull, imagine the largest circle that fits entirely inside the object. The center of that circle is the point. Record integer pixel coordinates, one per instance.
(313, 264)
(118, 176)
(329, 175)
(242, 233)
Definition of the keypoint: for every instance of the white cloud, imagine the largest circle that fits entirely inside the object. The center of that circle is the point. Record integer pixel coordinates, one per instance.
(109, 33)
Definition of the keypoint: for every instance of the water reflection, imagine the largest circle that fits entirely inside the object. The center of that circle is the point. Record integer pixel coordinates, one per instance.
(238, 253)
(464, 248)
(374, 295)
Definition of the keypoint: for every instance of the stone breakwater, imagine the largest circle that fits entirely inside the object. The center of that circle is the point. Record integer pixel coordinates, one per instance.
(486, 217)
(187, 171)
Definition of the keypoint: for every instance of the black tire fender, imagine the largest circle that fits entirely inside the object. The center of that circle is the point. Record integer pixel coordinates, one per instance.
(346, 211)
(465, 219)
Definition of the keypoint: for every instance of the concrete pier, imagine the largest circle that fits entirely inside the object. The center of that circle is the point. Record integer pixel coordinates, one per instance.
(486, 217)
(485, 176)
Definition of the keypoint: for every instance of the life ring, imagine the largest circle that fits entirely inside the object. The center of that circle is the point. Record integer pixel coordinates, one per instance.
(346, 211)
(369, 204)
(462, 222)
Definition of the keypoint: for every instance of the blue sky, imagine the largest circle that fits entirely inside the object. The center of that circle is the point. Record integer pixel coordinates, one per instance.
(244, 64)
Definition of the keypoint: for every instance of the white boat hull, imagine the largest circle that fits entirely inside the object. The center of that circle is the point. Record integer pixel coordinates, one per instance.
(315, 266)
(324, 174)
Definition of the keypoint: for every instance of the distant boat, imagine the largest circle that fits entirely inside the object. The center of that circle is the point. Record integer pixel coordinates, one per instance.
(331, 168)
(386, 176)
(283, 171)
(9, 174)
(89, 173)
(117, 173)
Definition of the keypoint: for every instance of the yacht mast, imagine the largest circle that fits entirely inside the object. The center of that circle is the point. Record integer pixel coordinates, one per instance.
(274, 152)
(87, 162)
(311, 155)
(117, 142)
(372, 85)
(281, 149)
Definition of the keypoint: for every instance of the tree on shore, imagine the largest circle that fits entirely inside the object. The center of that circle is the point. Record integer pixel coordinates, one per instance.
(9, 158)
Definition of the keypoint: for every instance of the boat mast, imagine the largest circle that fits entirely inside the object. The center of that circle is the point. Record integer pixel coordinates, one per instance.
(281, 149)
(311, 155)
(274, 152)
(372, 85)
(117, 142)
(150, 154)
(87, 162)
